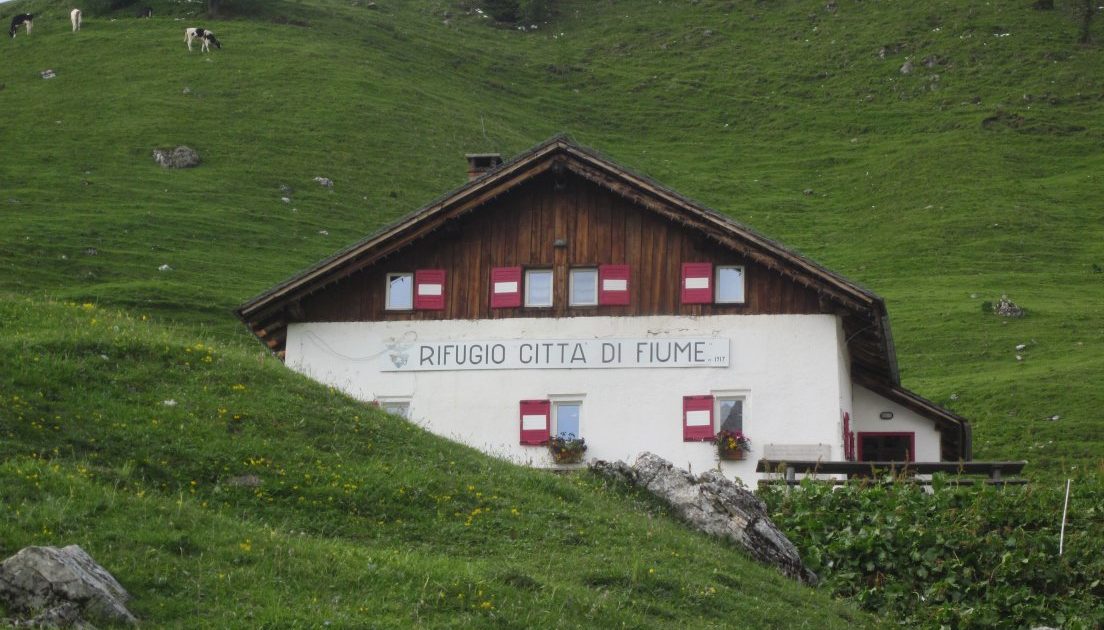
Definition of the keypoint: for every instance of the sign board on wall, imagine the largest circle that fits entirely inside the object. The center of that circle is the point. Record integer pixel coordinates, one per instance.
(798, 452)
(520, 354)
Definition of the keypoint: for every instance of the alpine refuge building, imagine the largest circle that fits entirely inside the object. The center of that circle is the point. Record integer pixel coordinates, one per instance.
(562, 294)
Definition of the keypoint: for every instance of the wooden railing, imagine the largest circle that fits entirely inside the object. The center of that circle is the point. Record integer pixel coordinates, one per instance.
(995, 471)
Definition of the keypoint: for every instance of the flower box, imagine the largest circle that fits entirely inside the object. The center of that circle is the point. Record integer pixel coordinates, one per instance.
(567, 449)
(730, 454)
(732, 445)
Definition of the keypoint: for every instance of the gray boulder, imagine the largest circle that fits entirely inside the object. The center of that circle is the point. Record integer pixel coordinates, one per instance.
(180, 157)
(714, 504)
(63, 587)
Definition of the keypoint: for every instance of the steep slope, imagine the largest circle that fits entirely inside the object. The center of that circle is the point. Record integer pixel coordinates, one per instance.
(225, 491)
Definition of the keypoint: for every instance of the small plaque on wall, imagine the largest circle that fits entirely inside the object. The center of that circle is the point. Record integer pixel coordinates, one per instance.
(798, 452)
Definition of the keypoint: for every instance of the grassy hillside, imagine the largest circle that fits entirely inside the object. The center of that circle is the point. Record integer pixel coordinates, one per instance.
(940, 189)
(227, 492)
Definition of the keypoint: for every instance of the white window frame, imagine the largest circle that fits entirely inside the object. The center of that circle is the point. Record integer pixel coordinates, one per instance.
(387, 290)
(401, 401)
(717, 284)
(551, 287)
(742, 395)
(564, 399)
(571, 286)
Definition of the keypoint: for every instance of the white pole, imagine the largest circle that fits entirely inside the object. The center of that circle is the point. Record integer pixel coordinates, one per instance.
(1062, 536)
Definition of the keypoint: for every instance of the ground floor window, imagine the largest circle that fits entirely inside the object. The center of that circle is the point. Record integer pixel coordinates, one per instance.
(398, 407)
(887, 447)
(730, 413)
(566, 415)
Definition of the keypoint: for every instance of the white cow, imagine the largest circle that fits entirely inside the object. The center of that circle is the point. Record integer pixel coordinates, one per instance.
(205, 37)
(75, 18)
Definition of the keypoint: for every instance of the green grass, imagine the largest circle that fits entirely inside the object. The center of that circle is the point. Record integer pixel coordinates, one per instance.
(742, 105)
(126, 437)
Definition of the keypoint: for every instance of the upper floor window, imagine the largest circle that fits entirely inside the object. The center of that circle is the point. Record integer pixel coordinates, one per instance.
(538, 287)
(584, 287)
(400, 291)
(730, 285)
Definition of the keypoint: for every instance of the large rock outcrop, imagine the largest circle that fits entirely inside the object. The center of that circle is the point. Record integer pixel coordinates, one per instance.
(62, 587)
(715, 505)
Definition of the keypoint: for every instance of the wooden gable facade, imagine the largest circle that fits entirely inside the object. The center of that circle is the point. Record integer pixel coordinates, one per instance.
(560, 206)
(592, 226)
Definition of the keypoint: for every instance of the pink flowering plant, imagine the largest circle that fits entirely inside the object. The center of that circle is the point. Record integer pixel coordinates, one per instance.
(732, 444)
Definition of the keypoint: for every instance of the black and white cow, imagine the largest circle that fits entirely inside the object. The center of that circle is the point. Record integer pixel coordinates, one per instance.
(145, 12)
(205, 37)
(23, 19)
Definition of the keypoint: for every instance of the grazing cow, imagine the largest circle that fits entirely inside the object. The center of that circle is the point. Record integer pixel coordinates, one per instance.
(145, 12)
(24, 19)
(205, 37)
(75, 18)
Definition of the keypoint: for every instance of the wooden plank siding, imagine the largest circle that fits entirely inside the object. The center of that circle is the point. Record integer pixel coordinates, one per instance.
(520, 228)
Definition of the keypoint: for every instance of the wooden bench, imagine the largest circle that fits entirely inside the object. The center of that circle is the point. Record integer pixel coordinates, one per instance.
(994, 470)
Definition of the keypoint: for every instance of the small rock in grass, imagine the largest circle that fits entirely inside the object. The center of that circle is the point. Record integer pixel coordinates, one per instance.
(906, 68)
(1007, 308)
(1021, 347)
(285, 199)
(63, 588)
(164, 268)
(244, 481)
(180, 157)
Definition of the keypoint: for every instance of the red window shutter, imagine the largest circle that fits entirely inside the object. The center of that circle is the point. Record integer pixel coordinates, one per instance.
(429, 289)
(613, 285)
(535, 421)
(697, 283)
(697, 418)
(505, 287)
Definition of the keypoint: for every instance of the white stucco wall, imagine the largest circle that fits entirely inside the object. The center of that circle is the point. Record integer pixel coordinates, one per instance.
(868, 407)
(787, 366)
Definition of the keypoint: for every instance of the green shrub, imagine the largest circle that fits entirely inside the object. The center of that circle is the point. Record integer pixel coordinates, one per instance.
(502, 10)
(959, 557)
(104, 7)
(525, 11)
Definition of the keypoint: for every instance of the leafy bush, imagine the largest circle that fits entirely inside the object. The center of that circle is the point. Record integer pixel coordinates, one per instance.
(104, 7)
(526, 11)
(962, 557)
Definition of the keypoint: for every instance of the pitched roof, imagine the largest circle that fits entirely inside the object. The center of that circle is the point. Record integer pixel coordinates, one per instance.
(866, 324)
